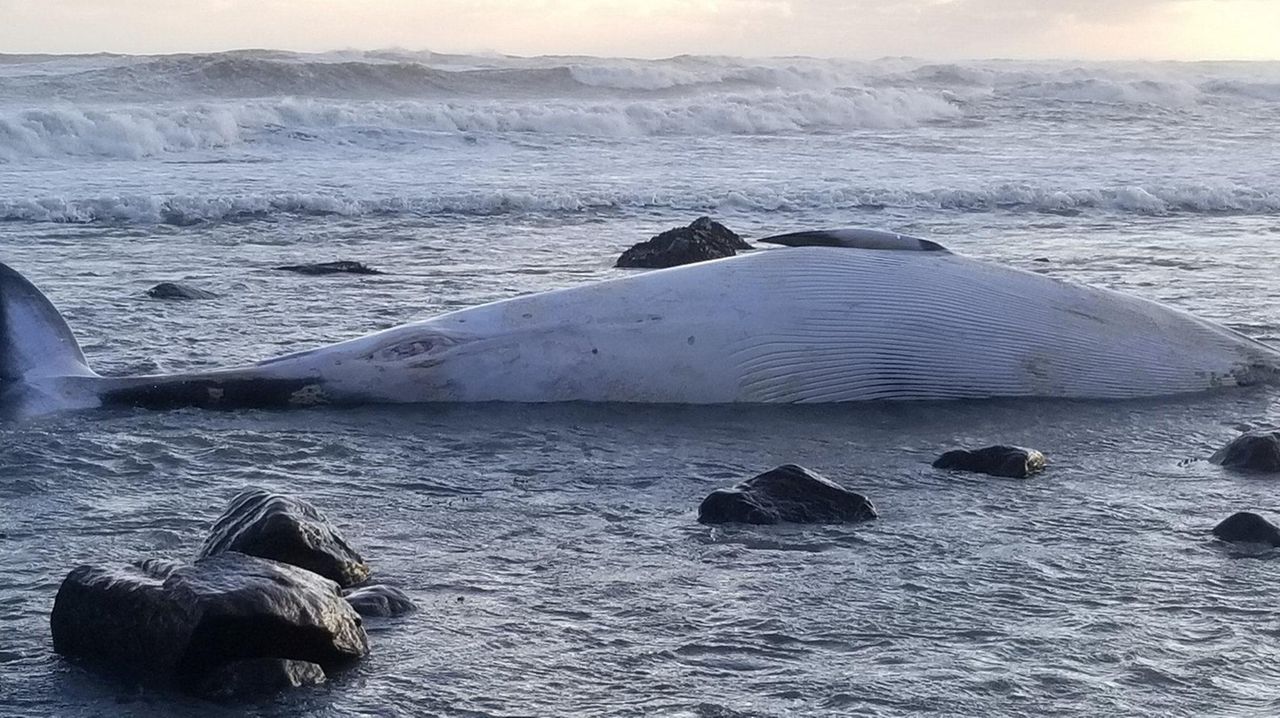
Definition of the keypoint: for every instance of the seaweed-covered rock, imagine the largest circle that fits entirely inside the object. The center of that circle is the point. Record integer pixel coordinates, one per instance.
(185, 623)
(1247, 527)
(285, 529)
(340, 267)
(380, 601)
(788, 493)
(1252, 451)
(702, 240)
(172, 290)
(257, 677)
(1012, 461)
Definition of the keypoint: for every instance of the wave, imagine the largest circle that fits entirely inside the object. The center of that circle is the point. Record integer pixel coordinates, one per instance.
(137, 132)
(1251, 89)
(403, 74)
(1106, 90)
(116, 133)
(190, 210)
(373, 76)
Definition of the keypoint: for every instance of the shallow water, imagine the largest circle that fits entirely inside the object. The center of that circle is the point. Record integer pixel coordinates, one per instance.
(554, 549)
(560, 570)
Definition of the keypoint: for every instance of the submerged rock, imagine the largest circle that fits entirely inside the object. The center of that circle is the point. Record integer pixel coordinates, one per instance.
(257, 677)
(171, 290)
(1247, 527)
(285, 529)
(380, 601)
(1011, 461)
(187, 623)
(1253, 451)
(788, 493)
(702, 240)
(340, 267)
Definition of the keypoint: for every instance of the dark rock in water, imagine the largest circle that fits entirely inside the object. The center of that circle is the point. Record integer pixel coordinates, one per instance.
(1012, 461)
(380, 601)
(788, 493)
(702, 240)
(184, 623)
(257, 677)
(1043, 260)
(1253, 451)
(285, 529)
(170, 290)
(160, 568)
(343, 267)
(1246, 527)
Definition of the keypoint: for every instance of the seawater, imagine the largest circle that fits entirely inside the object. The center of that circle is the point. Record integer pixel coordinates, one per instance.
(554, 548)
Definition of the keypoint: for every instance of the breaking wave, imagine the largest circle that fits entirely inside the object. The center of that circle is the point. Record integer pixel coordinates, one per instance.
(187, 210)
(426, 75)
(129, 107)
(136, 132)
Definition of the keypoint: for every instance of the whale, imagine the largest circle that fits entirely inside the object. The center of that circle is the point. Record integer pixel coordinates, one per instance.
(824, 316)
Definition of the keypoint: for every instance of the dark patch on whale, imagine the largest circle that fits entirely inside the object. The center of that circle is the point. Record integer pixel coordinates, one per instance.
(217, 393)
(856, 239)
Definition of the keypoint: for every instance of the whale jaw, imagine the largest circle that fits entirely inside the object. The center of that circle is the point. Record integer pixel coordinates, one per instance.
(236, 389)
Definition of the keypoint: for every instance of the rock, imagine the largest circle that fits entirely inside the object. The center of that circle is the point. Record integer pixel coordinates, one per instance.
(1246, 527)
(1043, 260)
(380, 601)
(341, 267)
(285, 529)
(702, 240)
(183, 624)
(1012, 461)
(170, 290)
(158, 567)
(788, 493)
(257, 677)
(1253, 451)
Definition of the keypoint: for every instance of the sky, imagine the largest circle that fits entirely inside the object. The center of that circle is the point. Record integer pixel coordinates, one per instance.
(940, 29)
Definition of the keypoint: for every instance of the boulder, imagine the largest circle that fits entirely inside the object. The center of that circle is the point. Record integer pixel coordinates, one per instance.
(788, 493)
(170, 290)
(340, 267)
(702, 240)
(187, 623)
(380, 601)
(1253, 451)
(1012, 461)
(160, 568)
(256, 677)
(288, 530)
(1246, 527)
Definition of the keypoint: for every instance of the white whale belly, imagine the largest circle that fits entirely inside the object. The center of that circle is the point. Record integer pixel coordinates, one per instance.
(817, 324)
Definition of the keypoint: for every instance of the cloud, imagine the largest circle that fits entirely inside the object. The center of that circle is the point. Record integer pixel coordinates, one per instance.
(942, 29)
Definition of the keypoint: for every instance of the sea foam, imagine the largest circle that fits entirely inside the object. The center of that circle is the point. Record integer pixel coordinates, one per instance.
(189, 210)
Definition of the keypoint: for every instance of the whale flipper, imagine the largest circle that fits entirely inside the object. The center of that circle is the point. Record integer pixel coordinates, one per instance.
(856, 239)
(35, 340)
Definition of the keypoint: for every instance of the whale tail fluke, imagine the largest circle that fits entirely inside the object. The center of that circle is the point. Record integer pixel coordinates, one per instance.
(35, 340)
(37, 348)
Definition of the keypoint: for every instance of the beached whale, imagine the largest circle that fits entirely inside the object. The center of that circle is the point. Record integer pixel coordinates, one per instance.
(837, 316)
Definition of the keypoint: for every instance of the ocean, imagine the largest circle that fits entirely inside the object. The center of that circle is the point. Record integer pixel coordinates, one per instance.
(553, 549)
